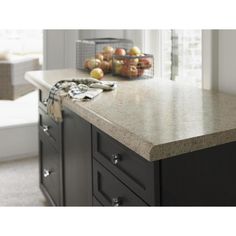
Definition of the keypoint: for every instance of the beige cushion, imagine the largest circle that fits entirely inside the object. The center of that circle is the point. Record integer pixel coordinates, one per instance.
(4, 55)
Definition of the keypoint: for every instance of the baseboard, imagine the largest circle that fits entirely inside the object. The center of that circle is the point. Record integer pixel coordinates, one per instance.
(19, 157)
(17, 142)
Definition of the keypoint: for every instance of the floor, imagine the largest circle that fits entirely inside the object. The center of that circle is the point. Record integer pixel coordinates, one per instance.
(19, 183)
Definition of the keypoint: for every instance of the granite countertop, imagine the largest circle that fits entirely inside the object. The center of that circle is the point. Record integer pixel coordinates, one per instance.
(155, 118)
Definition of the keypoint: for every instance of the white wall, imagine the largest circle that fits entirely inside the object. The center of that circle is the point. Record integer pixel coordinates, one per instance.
(59, 49)
(227, 61)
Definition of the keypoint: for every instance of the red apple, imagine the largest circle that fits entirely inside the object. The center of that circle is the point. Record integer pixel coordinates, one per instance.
(144, 63)
(105, 66)
(120, 52)
(140, 72)
(124, 71)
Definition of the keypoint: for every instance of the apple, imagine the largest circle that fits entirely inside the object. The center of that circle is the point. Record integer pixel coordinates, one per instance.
(93, 63)
(134, 51)
(97, 73)
(140, 72)
(124, 71)
(86, 64)
(144, 63)
(132, 72)
(129, 61)
(110, 65)
(118, 66)
(120, 52)
(108, 49)
(107, 56)
(99, 56)
(105, 66)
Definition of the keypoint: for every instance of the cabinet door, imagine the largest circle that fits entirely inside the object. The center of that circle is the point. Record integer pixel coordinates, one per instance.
(50, 175)
(77, 160)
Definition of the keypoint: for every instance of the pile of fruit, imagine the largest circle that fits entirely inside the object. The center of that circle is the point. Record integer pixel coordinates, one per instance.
(128, 64)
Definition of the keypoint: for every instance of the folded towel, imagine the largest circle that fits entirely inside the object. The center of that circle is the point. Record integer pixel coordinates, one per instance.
(82, 89)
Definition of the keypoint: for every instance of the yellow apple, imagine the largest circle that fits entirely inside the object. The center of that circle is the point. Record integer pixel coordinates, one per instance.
(97, 73)
(134, 51)
(93, 63)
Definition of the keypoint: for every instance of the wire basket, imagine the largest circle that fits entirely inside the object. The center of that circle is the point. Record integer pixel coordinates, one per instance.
(133, 67)
(97, 52)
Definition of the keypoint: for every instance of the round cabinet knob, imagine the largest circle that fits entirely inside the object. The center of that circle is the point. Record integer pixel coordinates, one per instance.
(116, 201)
(116, 158)
(46, 173)
(45, 102)
(45, 128)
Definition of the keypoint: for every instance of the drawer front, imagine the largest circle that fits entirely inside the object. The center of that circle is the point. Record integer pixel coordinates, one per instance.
(110, 191)
(50, 170)
(130, 168)
(43, 96)
(49, 127)
(96, 202)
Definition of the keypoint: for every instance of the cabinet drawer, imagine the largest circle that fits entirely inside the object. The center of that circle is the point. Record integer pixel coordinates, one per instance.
(129, 167)
(110, 191)
(43, 96)
(49, 127)
(50, 170)
(96, 202)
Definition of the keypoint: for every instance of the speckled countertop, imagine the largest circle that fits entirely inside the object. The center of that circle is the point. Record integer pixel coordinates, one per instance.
(155, 118)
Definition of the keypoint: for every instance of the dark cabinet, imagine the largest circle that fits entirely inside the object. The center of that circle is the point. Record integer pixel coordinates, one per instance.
(50, 159)
(77, 160)
(138, 174)
(82, 166)
(50, 171)
(110, 191)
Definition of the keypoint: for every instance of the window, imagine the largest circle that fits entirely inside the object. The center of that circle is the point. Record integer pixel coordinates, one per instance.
(178, 54)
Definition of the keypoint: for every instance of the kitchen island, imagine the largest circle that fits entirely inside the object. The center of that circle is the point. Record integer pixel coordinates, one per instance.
(149, 142)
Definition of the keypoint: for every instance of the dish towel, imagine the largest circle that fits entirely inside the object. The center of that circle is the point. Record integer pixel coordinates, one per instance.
(83, 89)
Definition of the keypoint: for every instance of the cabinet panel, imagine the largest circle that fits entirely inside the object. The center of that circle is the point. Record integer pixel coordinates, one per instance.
(96, 202)
(137, 173)
(50, 170)
(110, 191)
(77, 160)
(202, 178)
(50, 128)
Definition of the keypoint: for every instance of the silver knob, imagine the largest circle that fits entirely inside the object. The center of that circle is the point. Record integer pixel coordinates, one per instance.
(46, 173)
(45, 128)
(116, 201)
(45, 102)
(115, 158)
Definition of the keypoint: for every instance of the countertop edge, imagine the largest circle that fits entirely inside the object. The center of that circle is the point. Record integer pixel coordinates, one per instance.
(149, 151)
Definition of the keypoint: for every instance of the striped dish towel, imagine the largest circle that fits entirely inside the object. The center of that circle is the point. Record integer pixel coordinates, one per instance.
(83, 89)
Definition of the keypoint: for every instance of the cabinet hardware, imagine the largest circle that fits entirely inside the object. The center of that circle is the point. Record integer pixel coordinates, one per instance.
(45, 102)
(116, 201)
(45, 128)
(115, 158)
(46, 173)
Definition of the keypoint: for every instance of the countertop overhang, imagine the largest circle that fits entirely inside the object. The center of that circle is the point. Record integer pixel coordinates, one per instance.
(155, 118)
